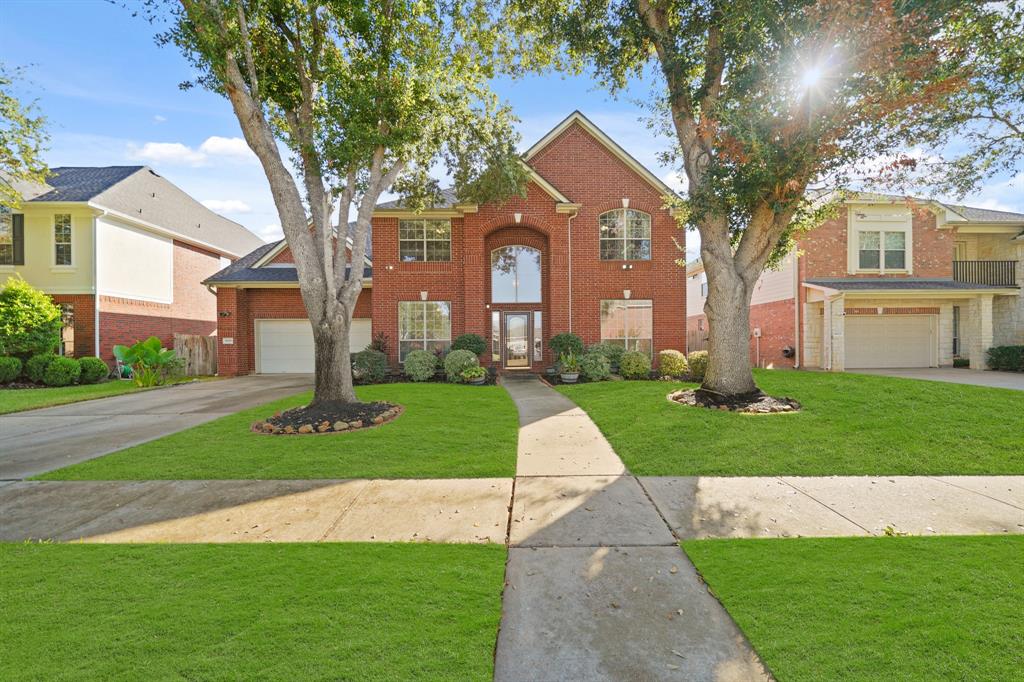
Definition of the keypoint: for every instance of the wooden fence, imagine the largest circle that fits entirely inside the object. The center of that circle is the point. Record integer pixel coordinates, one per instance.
(198, 352)
(696, 339)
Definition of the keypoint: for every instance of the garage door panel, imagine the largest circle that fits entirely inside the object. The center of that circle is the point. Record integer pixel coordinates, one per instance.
(286, 346)
(889, 341)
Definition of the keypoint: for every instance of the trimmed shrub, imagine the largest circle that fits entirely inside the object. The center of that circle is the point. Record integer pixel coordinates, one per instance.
(62, 371)
(594, 366)
(36, 366)
(30, 321)
(1006, 358)
(474, 343)
(960, 363)
(698, 362)
(635, 365)
(10, 369)
(93, 370)
(458, 361)
(420, 365)
(566, 344)
(612, 351)
(369, 366)
(672, 363)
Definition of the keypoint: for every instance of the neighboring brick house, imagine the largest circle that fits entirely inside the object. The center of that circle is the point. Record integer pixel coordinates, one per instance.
(590, 249)
(122, 251)
(888, 282)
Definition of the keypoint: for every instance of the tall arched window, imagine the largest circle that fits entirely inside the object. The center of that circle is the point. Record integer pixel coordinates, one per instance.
(625, 235)
(515, 275)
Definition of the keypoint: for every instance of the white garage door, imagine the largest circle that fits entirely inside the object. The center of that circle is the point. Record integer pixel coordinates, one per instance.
(890, 341)
(286, 346)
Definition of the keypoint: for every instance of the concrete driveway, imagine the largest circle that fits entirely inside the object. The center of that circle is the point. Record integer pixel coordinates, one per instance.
(38, 441)
(1014, 380)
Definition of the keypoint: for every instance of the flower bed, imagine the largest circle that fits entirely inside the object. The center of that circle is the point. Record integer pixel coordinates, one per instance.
(330, 418)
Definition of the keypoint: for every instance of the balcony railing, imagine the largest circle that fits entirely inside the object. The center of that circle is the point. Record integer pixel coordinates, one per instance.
(997, 272)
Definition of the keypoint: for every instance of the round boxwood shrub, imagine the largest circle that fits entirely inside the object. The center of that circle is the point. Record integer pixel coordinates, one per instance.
(566, 344)
(62, 372)
(369, 366)
(29, 319)
(458, 361)
(93, 370)
(698, 362)
(474, 343)
(595, 366)
(36, 366)
(672, 363)
(612, 351)
(635, 365)
(10, 369)
(420, 365)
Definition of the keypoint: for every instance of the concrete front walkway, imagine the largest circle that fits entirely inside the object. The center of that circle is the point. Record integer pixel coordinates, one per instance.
(1014, 380)
(596, 586)
(42, 440)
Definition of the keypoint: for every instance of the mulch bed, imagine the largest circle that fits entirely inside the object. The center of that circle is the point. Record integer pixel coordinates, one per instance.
(18, 385)
(338, 417)
(752, 403)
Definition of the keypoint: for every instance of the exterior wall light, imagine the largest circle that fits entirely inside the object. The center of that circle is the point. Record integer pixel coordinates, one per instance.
(423, 295)
(625, 202)
(518, 217)
(626, 293)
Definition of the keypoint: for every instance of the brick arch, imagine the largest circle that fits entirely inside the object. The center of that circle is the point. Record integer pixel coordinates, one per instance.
(507, 221)
(518, 235)
(648, 207)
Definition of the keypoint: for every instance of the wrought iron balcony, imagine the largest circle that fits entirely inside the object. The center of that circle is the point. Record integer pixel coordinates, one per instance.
(996, 272)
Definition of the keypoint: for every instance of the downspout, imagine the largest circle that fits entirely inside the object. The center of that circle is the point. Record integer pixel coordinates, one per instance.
(796, 309)
(96, 286)
(574, 214)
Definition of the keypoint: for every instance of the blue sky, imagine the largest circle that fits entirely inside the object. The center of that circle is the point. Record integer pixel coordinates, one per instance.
(112, 98)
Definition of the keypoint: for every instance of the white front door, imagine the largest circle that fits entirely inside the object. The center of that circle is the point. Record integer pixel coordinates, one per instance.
(286, 346)
(890, 341)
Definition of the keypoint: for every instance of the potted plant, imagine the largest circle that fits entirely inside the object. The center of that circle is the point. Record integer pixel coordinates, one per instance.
(570, 368)
(551, 371)
(474, 375)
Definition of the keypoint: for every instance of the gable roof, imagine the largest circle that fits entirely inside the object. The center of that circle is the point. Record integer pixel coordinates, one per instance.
(141, 195)
(246, 269)
(269, 255)
(577, 118)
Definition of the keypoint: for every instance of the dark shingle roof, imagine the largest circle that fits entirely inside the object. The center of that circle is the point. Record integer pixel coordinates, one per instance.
(242, 270)
(901, 284)
(987, 215)
(82, 183)
(447, 200)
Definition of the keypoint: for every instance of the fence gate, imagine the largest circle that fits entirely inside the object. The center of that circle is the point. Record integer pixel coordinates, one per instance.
(198, 352)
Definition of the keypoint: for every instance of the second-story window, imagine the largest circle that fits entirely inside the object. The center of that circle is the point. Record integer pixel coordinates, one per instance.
(625, 235)
(424, 240)
(879, 250)
(6, 236)
(62, 239)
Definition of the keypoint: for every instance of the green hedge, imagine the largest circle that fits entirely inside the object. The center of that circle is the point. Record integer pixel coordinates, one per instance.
(457, 362)
(420, 365)
(62, 371)
(672, 363)
(35, 366)
(93, 370)
(635, 365)
(1006, 358)
(369, 366)
(474, 343)
(10, 369)
(698, 362)
(595, 366)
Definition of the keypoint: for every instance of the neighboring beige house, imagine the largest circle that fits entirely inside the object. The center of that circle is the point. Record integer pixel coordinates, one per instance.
(889, 282)
(123, 252)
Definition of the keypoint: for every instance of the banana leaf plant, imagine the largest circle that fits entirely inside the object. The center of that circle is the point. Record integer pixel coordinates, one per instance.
(148, 359)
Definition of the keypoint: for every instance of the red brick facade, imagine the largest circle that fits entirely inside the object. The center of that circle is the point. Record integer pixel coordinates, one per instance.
(84, 321)
(586, 172)
(775, 320)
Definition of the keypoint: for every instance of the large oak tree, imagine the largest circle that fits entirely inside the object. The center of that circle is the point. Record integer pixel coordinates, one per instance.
(359, 99)
(768, 102)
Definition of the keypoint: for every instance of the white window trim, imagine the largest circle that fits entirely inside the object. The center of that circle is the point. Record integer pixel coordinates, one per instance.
(54, 266)
(881, 225)
(625, 236)
(424, 241)
(425, 340)
(626, 339)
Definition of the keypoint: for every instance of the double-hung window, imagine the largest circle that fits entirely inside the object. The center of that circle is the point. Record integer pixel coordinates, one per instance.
(879, 250)
(424, 325)
(6, 236)
(424, 240)
(62, 239)
(629, 324)
(625, 234)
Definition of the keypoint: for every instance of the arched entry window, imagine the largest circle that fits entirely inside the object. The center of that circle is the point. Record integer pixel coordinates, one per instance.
(515, 275)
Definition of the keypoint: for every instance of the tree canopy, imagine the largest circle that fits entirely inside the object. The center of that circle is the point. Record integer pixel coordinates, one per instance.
(23, 140)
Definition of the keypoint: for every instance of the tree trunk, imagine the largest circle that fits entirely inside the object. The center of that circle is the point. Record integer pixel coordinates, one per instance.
(728, 310)
(333, 381)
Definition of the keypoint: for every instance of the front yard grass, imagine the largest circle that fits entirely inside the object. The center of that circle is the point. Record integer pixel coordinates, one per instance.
(851, 424)
(20, 399)
(250, 611)
(446, 431)
(937, 608)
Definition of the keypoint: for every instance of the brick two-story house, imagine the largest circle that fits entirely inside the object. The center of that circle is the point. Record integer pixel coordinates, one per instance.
(590, 249)
(888, 282)
(123, 251)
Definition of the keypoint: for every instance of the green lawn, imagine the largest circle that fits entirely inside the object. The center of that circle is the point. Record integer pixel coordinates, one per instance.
(447, 431)
(850, 424)
(938, 608)
(17, 400)
(249, 611)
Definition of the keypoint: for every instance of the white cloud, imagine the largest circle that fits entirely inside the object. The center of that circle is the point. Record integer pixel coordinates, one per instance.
(167, 152)
(234, 147)
(270, 233)
(213, 148)
(159, 119)
(227, 205)
(676, 181)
